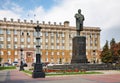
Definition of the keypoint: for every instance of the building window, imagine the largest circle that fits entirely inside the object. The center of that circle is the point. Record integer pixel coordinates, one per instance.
(15, 39)
(63, 53)
(46, 33)
(58, 53)
(1, 31)
(1, 45)
(22, 46)
(8, 31)
(1, 38)
(63, 47)
(28, 46)
(57, 34)
(52, 53)
(15, 46)
(2, 53)
(9, 53)
(15, 32)
(52, 40)
(52, 47)
(8, 39)
(63, 35)
(46, 53)
(58, 47)
(46, 46)
(22, 33)
(8, 46)
(28, 39)
(52, 34)
(46, 40)
(28, 33)
(22, 39)
(57, 40)
(15, 52)
(63, 41)
(34, 34)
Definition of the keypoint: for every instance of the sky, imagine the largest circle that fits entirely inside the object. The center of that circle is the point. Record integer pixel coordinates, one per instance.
(98, 13)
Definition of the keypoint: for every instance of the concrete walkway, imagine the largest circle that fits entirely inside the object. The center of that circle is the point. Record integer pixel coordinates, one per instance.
(15, 76)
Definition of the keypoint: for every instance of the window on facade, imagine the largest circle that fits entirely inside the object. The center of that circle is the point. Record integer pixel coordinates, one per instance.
(8, 46)
(63, 35)
(22, 46)
(1, 45)
(52, 40)
(8, 39)
(28, 46)
(57, 34)
(15, 39)
(1, 53)
(28, 39)
(15, 46)
(52, 34)
(8, 31)
(46, 46)
(34, 33)
(52, 53)
(58, 53)
(15, 53)
(63, 47)
(22, 39)
(57, 40)
(22, 33)
(46, 33)
(9, 53)
(63, 53)
(63, 41)
(52, 47)
(1, 31)
(58, 47)
(46, 40)
(15, 32)
(28, 33)
(1, 38)
(46, 53)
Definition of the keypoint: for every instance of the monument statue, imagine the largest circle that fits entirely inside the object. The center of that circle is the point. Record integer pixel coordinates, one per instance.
(79, 42)
(79, 22)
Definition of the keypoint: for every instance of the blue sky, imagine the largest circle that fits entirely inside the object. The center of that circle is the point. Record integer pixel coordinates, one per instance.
(98, 13)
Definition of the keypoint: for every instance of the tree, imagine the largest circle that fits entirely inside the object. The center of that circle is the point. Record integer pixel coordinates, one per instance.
(106, 54)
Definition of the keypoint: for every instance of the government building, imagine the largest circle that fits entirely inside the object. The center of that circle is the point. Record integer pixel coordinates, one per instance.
(56, 41)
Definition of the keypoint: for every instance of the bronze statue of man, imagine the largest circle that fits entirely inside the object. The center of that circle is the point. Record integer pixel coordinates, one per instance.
(79, 21)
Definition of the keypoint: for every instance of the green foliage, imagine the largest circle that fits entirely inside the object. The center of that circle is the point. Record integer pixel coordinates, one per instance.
(64, 73)
(9, 67)
(0, 59)
(112, 54)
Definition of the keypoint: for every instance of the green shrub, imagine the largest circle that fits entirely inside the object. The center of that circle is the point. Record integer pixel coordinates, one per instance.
(9, 67)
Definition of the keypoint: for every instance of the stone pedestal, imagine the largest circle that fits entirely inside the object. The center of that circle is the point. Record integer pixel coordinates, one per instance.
(38, 69)
(79, 50)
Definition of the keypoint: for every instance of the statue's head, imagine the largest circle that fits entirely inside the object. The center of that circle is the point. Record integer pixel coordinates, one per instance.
(79, 11)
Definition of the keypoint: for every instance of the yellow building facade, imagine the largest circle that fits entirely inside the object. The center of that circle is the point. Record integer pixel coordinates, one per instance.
(56, 41)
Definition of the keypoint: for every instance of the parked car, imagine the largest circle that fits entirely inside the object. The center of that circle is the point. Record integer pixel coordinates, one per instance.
(15, 63)
(6, 64)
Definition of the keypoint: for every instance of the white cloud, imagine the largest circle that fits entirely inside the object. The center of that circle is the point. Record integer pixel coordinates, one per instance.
(98, 13)
(8, 14)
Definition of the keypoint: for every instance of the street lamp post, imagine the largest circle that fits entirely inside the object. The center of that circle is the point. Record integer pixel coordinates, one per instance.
(21, 62)
(38, 68)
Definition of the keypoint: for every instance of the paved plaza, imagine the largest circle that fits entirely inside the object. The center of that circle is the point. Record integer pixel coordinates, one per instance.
(15, 76)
